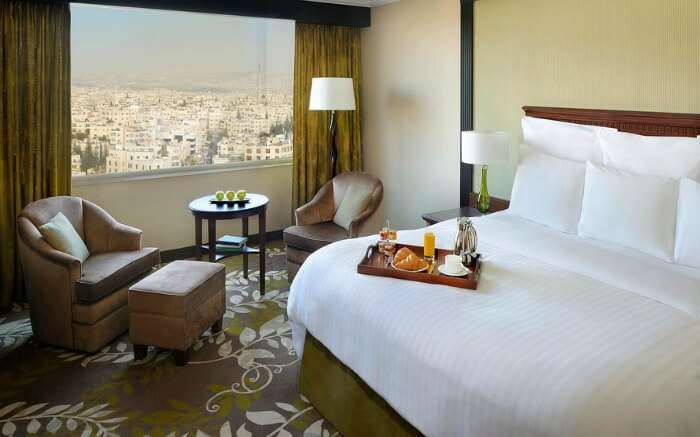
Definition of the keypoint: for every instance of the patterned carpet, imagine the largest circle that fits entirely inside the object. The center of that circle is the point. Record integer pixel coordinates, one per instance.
(239, 382)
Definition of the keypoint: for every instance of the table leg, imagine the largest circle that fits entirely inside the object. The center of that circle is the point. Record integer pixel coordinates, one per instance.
(262, 226)
(212, 240)
(198, 238)
(244, 221)
(182, 357)
(140, 352)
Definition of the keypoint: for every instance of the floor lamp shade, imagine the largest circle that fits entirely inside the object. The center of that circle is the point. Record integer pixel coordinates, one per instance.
(332, 94)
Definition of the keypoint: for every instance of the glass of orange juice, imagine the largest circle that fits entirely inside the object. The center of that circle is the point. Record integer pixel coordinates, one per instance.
(429, 245)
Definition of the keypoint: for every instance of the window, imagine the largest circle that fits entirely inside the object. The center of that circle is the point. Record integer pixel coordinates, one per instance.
(156, 90)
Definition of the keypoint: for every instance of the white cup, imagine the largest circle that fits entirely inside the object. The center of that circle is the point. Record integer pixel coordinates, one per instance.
(453, 264)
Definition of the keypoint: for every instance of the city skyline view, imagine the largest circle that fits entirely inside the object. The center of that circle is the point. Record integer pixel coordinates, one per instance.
(156, 89)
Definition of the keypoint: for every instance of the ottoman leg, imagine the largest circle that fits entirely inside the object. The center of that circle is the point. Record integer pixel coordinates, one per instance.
(217, 326)
(140, 352)
(182, 357)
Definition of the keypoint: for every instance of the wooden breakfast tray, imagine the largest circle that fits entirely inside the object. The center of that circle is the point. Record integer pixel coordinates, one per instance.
(375, 263)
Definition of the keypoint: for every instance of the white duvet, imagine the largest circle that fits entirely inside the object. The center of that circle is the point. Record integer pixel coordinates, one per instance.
(564, 337)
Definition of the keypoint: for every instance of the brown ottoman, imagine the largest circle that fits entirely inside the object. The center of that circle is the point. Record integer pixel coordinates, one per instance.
(172, 307)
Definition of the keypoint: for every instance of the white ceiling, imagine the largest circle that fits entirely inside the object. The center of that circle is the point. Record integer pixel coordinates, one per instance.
(365, 3)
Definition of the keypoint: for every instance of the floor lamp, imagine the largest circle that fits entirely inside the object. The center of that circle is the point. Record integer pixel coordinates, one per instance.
(332, 94)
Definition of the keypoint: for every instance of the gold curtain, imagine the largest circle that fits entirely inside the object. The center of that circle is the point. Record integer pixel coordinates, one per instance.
(35, 124)
(323, 51)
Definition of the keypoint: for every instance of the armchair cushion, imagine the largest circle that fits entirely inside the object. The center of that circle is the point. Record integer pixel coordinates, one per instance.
(62, 236)
(351, 206)
(105, 273)
(313, 237)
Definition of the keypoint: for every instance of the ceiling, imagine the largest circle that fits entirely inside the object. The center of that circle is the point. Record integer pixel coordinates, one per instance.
(365, 3)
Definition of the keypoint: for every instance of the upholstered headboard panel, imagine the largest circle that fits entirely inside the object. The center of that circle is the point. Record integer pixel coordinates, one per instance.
(643, 123)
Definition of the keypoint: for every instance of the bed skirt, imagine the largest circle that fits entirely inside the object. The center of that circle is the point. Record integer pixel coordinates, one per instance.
(344, 399)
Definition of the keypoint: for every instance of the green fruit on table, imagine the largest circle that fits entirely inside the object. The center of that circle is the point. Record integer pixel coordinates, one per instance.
(220, 195)
(241, 194)
(230, 195)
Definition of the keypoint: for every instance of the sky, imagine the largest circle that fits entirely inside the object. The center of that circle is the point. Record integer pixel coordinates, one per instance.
(109, 43)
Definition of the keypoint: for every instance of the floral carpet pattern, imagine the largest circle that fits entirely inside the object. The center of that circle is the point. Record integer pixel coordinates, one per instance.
(240, 382)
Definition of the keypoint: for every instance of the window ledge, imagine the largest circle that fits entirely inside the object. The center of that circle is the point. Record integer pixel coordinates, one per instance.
(81, 181)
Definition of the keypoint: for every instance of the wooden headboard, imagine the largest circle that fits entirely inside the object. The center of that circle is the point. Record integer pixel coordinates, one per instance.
(663, 124)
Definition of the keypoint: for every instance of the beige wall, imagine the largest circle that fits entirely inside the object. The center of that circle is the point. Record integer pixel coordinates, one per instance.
(410, 94)
(610, 54)
(159, 206)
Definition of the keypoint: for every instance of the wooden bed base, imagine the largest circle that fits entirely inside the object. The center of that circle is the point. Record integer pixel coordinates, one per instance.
(348, 402)
(344, 399)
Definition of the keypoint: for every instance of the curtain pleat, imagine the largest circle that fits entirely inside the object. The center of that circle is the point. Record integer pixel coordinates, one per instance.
(35, 123)
(323, 51)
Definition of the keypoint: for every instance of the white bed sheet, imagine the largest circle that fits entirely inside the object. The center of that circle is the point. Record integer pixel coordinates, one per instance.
(564, 337)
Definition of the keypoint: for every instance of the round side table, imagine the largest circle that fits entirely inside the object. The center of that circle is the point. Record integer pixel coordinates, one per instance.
(203, 209)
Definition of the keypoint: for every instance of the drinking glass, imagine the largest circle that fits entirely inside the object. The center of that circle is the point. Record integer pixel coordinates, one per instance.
(390, 243)
(429, 245)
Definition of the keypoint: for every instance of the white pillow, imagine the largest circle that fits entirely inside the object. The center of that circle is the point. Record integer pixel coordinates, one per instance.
(576, 142)
(548, 190)
(672, 157)
(688, 225)
(354, 202)
(636, 211)
(62, 236)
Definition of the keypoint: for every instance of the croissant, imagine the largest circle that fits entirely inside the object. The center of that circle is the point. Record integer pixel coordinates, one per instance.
(402, 254)
(411, 262)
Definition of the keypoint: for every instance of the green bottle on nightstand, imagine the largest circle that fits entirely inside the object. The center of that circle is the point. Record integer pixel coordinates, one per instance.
(483, 203)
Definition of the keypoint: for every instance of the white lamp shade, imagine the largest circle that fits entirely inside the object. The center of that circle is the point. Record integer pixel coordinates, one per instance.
(332, 94)
(484, 148)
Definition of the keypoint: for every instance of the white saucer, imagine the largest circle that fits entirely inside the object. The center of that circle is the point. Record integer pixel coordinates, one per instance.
(465, 271)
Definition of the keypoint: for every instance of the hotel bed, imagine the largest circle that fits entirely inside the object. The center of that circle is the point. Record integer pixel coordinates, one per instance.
(565, 337)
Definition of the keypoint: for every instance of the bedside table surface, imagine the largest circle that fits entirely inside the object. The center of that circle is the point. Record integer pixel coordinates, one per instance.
(441, 216)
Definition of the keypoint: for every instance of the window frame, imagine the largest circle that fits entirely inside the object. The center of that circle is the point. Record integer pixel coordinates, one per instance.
(111, 178)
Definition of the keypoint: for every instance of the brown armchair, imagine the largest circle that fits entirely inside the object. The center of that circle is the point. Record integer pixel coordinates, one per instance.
(80, 305)
(314, 221)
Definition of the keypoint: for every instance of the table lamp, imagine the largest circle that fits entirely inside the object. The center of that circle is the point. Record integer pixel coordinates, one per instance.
(484, 148)
(332, 94)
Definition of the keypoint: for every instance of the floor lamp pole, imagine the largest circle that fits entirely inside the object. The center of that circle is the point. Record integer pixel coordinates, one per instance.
(333, 149)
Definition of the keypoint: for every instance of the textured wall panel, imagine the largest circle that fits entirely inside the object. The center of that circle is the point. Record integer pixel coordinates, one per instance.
(611, 54)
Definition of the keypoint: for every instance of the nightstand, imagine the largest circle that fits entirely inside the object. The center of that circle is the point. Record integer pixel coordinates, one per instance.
(467, 211)
(441, 216)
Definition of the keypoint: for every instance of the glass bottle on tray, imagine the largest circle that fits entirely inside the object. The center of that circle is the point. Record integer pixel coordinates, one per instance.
(387, 239)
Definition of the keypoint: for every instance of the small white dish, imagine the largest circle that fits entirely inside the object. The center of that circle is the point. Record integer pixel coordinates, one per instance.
(465, 271)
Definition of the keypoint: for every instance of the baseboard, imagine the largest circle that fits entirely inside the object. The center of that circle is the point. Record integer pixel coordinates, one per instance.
(167, 256)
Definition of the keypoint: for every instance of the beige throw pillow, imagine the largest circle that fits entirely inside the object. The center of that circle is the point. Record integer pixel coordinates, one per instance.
(61, 235)
(354, 202)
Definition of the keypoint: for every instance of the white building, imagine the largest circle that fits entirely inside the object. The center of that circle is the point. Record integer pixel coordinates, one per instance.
(75, 163)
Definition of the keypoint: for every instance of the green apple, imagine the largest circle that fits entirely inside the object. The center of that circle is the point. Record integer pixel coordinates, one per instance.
(230, 195)
(241, 194)
(220, 195)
